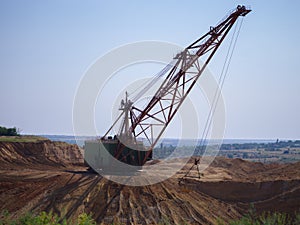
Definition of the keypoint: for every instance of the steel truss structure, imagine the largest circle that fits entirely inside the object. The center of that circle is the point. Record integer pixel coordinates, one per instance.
(150, 123)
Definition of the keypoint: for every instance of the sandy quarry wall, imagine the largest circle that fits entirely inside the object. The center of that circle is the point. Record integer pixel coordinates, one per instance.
(46, 153)
(246, 191)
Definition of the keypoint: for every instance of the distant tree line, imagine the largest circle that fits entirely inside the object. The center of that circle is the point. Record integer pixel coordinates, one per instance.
(9, 131)
(164, 151)
(275, 146)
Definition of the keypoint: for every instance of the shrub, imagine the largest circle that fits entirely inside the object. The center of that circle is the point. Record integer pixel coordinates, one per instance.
(266, 219)
(43, 218)
(8, 131)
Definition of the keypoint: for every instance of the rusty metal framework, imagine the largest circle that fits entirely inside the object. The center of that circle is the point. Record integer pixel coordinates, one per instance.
(150, 123)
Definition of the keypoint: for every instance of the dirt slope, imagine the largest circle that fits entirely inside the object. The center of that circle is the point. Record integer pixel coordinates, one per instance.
(70, 194)
(39, 176)
(40, 154)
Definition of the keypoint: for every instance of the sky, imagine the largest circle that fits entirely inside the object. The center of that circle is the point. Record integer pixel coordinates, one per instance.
(47, 46)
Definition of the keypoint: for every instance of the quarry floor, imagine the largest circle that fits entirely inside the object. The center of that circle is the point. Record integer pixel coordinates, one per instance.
(225, 191)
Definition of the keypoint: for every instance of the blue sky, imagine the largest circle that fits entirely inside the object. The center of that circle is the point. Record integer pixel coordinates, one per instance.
(46, 47)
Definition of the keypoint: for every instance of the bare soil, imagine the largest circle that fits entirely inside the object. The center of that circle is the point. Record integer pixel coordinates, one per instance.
(51, 176)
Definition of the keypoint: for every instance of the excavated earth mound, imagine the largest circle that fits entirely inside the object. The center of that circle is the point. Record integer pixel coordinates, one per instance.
(41, 154)
(51, 176)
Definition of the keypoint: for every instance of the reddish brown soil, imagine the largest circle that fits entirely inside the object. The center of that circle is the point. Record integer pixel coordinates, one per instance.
(50, 176)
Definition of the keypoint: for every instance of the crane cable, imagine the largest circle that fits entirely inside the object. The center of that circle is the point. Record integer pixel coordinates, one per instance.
(144, 88)
(216, 97)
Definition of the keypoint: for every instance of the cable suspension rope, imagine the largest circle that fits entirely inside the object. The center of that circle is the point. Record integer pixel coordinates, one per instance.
(151, 82)
(216, 97)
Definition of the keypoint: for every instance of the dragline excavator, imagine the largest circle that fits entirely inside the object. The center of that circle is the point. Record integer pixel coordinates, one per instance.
(141, 129)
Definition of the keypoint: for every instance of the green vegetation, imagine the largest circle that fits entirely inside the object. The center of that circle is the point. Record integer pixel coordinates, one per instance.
(272, 146)
(267, 219)
(23, 138)
(278, 151)
(13, 135)
(276, 218)
(8, 131)
(44, 219)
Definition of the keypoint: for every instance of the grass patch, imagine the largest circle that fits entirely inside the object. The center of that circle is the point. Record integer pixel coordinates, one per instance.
(44, 218)
(49, 218)
(23, 138)
(266, 218)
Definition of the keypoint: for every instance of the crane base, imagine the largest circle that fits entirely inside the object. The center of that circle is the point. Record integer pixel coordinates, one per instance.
(100, 155)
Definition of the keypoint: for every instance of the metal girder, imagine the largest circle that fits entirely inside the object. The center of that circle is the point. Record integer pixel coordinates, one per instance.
(178, 83)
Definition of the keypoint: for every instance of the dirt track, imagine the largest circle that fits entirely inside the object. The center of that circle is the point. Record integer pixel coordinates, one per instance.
(225, 191)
